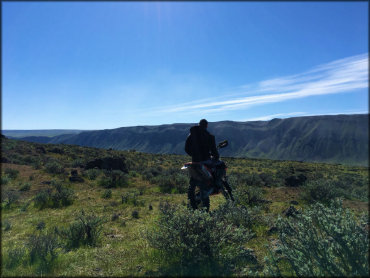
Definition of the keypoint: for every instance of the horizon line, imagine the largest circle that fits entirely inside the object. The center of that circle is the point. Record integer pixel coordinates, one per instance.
(256, 119)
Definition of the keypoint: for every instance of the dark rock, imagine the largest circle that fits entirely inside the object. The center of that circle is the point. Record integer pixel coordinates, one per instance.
(272, 230)
(139, 268)
(56, 150)
(294, 202)
(291, 211)
(4, 160)
(108, 163)
(294, 181)
(115, 217)
(40, 149)
(250, 255)
(76, 179)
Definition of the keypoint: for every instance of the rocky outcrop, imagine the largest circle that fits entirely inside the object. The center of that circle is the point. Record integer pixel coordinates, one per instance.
(108, 163)
(294, 181)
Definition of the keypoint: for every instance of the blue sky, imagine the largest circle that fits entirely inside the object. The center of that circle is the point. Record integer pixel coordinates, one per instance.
(98, 65)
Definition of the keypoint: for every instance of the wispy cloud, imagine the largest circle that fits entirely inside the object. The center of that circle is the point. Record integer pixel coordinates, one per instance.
(344, 75)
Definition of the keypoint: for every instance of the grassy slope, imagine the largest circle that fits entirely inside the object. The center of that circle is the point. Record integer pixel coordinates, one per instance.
(123, 250)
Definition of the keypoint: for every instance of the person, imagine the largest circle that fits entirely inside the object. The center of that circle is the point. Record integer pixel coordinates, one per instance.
(201, 146)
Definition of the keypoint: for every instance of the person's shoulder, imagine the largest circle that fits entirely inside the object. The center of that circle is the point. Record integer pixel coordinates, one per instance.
(194, 129)
(209, 134)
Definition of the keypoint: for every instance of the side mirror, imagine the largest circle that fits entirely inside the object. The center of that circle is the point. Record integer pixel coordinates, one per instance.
(223, 144)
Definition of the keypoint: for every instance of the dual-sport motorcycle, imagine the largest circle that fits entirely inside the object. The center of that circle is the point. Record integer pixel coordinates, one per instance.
(207, 178)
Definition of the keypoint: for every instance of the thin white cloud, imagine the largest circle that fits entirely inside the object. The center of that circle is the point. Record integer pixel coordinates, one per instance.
(340, 76)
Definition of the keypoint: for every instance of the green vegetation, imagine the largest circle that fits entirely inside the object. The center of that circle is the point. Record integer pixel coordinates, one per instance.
(198, 243)
(137, 223)
(321, 241)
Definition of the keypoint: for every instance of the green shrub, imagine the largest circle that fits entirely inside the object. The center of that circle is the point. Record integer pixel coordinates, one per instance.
(42, 250)
(54, 167)
(40, 226)
(133, 174)
(6, 225)
(59, 197)
(268, 179)
(77, 163)
(320, 191)
(107, 194)
(92, 174)
(37, 164)
(85, 230)
(322, 241)
(63, 196)
(151, 172)
(131, 198)
(175, 183)
(252, 179)
(235, 214)
(42, 198)
(10, 197)
(248, 195)
(11, 173)
(25, 187)
(113, 179)
(15, 256)
(24, 207)
(196, 243)
(5, 179)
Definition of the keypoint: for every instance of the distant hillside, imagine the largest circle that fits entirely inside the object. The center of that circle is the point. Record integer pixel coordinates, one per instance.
(39, 132)
(333, 139)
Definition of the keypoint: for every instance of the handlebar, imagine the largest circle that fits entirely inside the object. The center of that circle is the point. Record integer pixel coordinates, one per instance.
(222, 144)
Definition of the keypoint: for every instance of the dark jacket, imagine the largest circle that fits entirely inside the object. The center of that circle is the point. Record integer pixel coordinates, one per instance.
(200, 144)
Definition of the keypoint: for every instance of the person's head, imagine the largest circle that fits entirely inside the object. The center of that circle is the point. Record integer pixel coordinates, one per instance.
(203, 123)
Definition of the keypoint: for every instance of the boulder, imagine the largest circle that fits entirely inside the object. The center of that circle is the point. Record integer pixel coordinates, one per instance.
(74, 177)
(291, 211)
(295, 181)
(40, 149)
(57, 150)
(108, 163)
(4, 160)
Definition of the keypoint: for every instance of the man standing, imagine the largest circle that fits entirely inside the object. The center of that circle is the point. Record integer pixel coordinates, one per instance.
(200, 144)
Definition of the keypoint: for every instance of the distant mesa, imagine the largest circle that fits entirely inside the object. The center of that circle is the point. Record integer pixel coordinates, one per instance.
(339, 139)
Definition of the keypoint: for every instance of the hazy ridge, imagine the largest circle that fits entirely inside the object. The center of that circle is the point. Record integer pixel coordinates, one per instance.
(333, 139)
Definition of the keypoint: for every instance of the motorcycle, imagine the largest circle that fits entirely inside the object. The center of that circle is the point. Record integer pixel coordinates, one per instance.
(207, 178)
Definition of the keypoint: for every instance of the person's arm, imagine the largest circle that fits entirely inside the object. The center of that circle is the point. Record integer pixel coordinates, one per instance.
(214, 151)
(188, 147)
